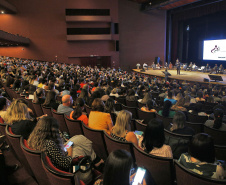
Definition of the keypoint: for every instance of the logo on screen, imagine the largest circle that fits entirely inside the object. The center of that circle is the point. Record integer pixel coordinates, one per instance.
(215, 49)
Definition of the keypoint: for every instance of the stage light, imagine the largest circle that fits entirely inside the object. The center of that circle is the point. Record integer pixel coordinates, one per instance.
(2, 12)
(188, 28)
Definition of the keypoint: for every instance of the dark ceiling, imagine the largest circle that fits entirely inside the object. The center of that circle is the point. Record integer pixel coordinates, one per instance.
(164, 4)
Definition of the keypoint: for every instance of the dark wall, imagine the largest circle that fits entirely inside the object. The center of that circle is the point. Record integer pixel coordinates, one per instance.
(142, 35)
(44, 22)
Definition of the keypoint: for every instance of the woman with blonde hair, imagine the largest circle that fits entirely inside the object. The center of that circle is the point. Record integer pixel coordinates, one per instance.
(121, 130)
(18, 117)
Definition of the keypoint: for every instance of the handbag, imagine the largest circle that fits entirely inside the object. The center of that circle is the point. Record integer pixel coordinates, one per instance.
(82, 168)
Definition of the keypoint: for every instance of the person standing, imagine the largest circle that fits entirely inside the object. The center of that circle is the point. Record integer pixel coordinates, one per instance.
(178, 66)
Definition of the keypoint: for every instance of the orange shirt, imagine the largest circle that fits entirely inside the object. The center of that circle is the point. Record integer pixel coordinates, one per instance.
(145, 109)
(100, 121)
(82, 118)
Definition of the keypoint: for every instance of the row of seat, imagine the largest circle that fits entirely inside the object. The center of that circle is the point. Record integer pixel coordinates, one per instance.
(162, 169)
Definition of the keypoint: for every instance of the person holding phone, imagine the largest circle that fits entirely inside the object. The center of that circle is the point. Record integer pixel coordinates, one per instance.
(46, 137)
(118, 169)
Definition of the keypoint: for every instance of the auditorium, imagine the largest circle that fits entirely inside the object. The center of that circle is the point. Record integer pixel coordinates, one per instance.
(112, 92)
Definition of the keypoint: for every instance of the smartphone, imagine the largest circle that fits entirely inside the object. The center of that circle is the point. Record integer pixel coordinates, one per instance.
(70, 143)
(139, 176)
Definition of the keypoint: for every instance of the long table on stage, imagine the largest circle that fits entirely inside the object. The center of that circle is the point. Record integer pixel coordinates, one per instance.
(190, 76)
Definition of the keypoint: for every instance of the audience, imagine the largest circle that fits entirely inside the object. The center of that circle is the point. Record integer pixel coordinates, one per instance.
(98, 119)
(217, 122)
(18, 117)
(66, 106)
(46, 137)
(201, 157)
(77, 113)
(166, 112)
(121, 130)
(153, 140)
(178, 125)
(117, 169)
(50, 100)
(149, 107)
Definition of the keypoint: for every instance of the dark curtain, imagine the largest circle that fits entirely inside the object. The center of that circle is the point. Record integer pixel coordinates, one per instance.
(190, 13)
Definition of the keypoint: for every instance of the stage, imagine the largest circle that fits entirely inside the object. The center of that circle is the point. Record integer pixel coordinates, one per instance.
(190, 76)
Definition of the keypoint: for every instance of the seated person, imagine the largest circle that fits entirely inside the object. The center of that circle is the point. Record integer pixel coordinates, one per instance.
(196, 109)
(178, 125)
(39, 96)
(98, 119)
(170, 98)
(131, 95)
(166, 112)
(201, 157)
(153, 140)
(18, 117)
(77, 114)
(66, 106)
(50, 100)
(110, 108)
(46, 138)
(118, 169)
(148, 107)
(147, 96)
(179, 105)
(200, 97)
(121, 130)
(217, 122)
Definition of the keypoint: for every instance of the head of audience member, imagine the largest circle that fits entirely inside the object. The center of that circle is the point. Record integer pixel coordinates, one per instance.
(200, 95)
(170, 94)
(117, 168)
(3, 104)
(179, 96)
(51, 86)
(98, 105)
(50, 97)
(180, 102)
(179, 120)
(17, 84)
(218, 116)
(17, 111)
(32, 89)
(202, 148)
(67, 100)
(187, 100)
(153, 135)
(210, 99)
(47, 128)
(197, 107)
(109, 106)
(122, 124)
(78, 108)
(166, 108)
(131, 92)
(147, 96)
(149, 104)
(80, 102)
(39, 93)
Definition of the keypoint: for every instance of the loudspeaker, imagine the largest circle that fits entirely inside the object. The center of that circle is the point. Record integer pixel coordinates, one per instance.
(215, 77)
(206, 80)
(157, 60)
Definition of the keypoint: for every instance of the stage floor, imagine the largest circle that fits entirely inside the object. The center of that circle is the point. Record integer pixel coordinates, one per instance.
(184, 75)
